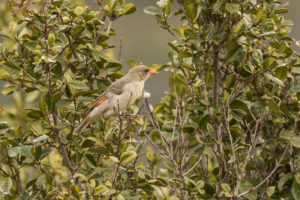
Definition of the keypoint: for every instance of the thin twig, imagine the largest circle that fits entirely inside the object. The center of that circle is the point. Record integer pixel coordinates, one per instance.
(120, 49)
(109, 26)
(191, 169)
(14, 14)
(269, 176)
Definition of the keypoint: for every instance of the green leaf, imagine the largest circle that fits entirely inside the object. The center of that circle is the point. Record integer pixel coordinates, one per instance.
(120, 197)
(128, 156)
(13, 152)
(26, 150)
(274, 79)
(283, 180)
(24, 196)
(235, 52)
(217, 5)
(131, 63)
(296, 70)
(286, 134)
(6, 35)
(45, 152)
(78, 10)
(90, 161)
(11, 67)
(295, 190)
(9, 90)
(232, 7)
(296, 141)
(230, 80)
(31, 45)
(156, 67)
(43, 106)
(166, 5)
(34, 114)
(191, 10)
(100, 189)
(50, 101)
(77, 30)
(63, 103)
(5, 185)
(21, 27)
(129, 8)
(152, 10)
(115, 159)
(3, 125)
(257, 57)
(281, 73)
(41, 138)
(113, 67)
(273, 108)
(239, 106)
(80, 85)
(189, 128)
(51, 38)
(226, 187)
(282, 10)
(245, 186)
(271, 191)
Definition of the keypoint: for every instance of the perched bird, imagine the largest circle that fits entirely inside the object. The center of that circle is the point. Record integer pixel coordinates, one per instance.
(118, 96)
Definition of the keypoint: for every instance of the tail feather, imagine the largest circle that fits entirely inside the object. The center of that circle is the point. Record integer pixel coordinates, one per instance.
(82, 125)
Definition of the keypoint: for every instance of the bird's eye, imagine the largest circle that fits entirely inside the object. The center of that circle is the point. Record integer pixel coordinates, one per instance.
(147, 70)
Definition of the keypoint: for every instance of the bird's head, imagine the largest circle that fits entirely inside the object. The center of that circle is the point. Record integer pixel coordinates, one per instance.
(141, 72)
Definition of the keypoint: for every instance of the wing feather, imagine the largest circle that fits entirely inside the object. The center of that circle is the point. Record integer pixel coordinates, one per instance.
(115, 88)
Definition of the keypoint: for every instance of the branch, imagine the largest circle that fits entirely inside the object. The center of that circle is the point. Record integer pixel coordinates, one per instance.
(191, 169)
(269, 176)
(15, 175)
(14, 14)
(238, 180)
(120, 49)
(71, 45)
(226, 125)
(216, 76)
(170, 31)
(109, 26)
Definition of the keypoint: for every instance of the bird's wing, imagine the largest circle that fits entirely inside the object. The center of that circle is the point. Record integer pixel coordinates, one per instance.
(116, 88)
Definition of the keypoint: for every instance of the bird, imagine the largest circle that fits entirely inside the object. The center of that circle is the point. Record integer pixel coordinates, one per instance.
(118, 96)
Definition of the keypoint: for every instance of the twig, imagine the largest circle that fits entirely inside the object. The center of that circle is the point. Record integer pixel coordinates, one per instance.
(269, 176)
(239, 177)
(157, 148)
(71, 45)
(109, 26)
(191, 169)
(12, 10)
(226, 125)
(120, 49)
(216, 76)
(170, 31)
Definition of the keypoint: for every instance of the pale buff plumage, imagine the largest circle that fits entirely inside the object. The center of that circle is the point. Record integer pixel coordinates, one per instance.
(119, 95)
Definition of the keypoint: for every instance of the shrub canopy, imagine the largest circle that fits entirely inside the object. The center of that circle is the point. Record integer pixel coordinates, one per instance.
(228, 128)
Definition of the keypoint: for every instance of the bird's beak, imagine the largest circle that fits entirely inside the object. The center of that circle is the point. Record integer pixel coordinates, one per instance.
(153, 72)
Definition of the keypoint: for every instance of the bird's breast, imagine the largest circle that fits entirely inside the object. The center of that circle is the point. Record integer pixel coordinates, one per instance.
(135, 89)
(131, 92)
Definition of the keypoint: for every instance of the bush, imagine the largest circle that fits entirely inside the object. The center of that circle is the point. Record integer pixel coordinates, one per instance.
(229, 128)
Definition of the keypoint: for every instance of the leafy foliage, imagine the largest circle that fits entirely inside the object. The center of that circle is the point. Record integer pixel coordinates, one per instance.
(229, 128)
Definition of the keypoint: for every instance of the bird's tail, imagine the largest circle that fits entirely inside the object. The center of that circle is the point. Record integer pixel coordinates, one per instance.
(82, 125)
